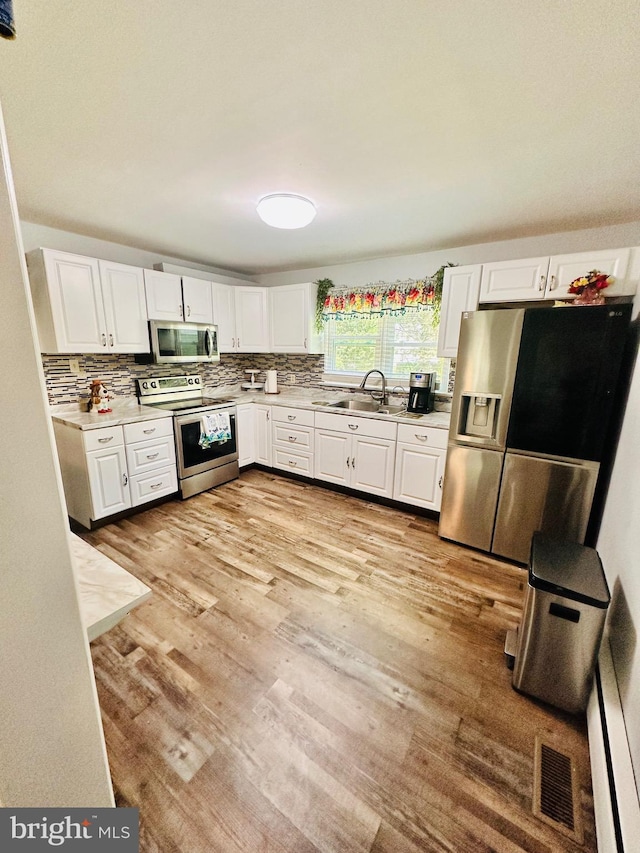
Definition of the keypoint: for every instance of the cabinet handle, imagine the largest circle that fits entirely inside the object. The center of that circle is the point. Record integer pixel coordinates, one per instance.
(104, 340)
(440, 483)
(149, 431)
(181, 311)
(292, 463)
(552, 285)
(105, 440)
(352, 426)
(268, 414)
(347, 461)
(155, 485)
(305, 343)
(353, 462)
(188, 310)
(293, 438)
(237, 343)
(421, 437)
(291, 417)
(110, 340)
(125, 479)
(152, 455)
(543, 280)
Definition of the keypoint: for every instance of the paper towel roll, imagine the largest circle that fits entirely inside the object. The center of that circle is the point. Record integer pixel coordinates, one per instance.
(271, 383)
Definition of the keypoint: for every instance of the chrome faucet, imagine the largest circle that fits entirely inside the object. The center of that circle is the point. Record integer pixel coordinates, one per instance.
(383, 400)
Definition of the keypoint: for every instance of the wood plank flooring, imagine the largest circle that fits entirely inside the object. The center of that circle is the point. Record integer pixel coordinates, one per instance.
(319, 673)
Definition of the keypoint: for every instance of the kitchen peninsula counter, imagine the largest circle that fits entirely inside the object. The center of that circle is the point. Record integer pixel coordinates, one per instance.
(107, 591)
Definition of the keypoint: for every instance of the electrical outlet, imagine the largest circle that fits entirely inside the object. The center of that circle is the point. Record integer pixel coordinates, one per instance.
(74, 366)
(292, 378)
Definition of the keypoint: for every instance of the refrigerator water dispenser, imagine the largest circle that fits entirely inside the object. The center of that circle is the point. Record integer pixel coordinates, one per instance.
(479, 415)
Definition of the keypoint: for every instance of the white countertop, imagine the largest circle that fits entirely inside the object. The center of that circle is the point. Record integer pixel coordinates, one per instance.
(107, 591)
(128, 410)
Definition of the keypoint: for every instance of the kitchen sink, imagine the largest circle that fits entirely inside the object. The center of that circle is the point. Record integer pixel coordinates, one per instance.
(391, 410)
(357, 405)
(367, 406)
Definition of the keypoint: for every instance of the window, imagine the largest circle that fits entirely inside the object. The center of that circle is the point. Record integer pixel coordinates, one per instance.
(397, 344)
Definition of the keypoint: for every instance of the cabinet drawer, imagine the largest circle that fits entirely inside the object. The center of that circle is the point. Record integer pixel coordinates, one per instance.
(97, 439)
(423, 436)
(150, 455)
(292, 460)
(356, 425)
(152, 485)
(143, 430)
(293, 435)
(299, 417)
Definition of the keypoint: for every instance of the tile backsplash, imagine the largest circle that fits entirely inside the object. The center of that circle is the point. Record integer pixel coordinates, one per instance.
(119, 372)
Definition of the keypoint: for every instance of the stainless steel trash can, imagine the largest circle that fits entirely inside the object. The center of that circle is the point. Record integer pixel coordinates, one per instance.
(559, 638)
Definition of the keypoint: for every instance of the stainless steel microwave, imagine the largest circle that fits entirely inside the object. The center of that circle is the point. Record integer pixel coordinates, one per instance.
(182, 342)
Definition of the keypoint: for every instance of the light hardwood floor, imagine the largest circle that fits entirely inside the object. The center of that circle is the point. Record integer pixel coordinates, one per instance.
(315, 672)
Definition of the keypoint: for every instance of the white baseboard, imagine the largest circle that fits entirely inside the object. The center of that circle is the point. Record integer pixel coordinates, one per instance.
(615, 797)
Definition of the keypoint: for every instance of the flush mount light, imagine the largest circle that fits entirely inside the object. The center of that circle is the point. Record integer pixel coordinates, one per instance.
(286, 210)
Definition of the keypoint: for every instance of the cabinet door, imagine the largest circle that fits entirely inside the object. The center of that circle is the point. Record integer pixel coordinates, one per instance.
(263, 434)
(246, 434)
(125, 307)
(224, 316)
(289, 315)
(74, 289)
(252, 322)
(197, 300)
(460, 292)
(332, 460)
(108, 481)
(514, 281)
(419, 475)
(372, 463)
(164, 295)
(563, 269)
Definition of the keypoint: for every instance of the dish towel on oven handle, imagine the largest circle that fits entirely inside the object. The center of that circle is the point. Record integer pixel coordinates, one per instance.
(215, 427)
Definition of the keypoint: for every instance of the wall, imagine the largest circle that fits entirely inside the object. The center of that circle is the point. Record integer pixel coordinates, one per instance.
(40, 236)
(619, 548)
(426, 263)
(51, 746)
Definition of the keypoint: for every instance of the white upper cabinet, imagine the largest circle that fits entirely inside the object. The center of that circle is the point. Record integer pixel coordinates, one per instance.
(224, 316)
(513, 281)
(563, 269)
(83, 305)
(173, 297)
(124, 306)
(460, 292)
(292, 318)
(197, 300)
(164, 295)
(252, 319)
(549, 278)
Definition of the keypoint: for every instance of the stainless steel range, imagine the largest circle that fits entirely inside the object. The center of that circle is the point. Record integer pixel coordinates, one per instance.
(204, 461)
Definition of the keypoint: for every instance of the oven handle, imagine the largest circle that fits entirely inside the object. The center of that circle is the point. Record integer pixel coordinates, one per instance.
(208, 342)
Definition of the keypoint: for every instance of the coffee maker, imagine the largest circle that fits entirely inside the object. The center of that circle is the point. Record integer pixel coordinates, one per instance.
(421, 390)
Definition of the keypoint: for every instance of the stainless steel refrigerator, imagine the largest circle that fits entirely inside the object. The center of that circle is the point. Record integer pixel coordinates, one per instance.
(531, 406)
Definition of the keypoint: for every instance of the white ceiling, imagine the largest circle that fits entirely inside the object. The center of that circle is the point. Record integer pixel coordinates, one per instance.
(413, 125)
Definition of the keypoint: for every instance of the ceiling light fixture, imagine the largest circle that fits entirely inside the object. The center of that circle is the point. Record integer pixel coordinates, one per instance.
(286, 210)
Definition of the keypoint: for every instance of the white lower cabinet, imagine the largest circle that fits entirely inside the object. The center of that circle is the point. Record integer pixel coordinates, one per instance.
(292, 440)
(108, 470)
(419, 469)
(355, 452)
(246, 434)
(108, 481)
(262, 417)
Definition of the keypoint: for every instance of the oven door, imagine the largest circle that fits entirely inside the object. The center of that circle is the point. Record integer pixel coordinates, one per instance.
(193, 459)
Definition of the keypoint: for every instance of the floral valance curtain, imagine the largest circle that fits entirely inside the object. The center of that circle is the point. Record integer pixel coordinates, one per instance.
(379, 298)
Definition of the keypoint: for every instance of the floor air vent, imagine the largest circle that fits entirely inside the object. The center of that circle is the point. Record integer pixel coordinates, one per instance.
(556, 791)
